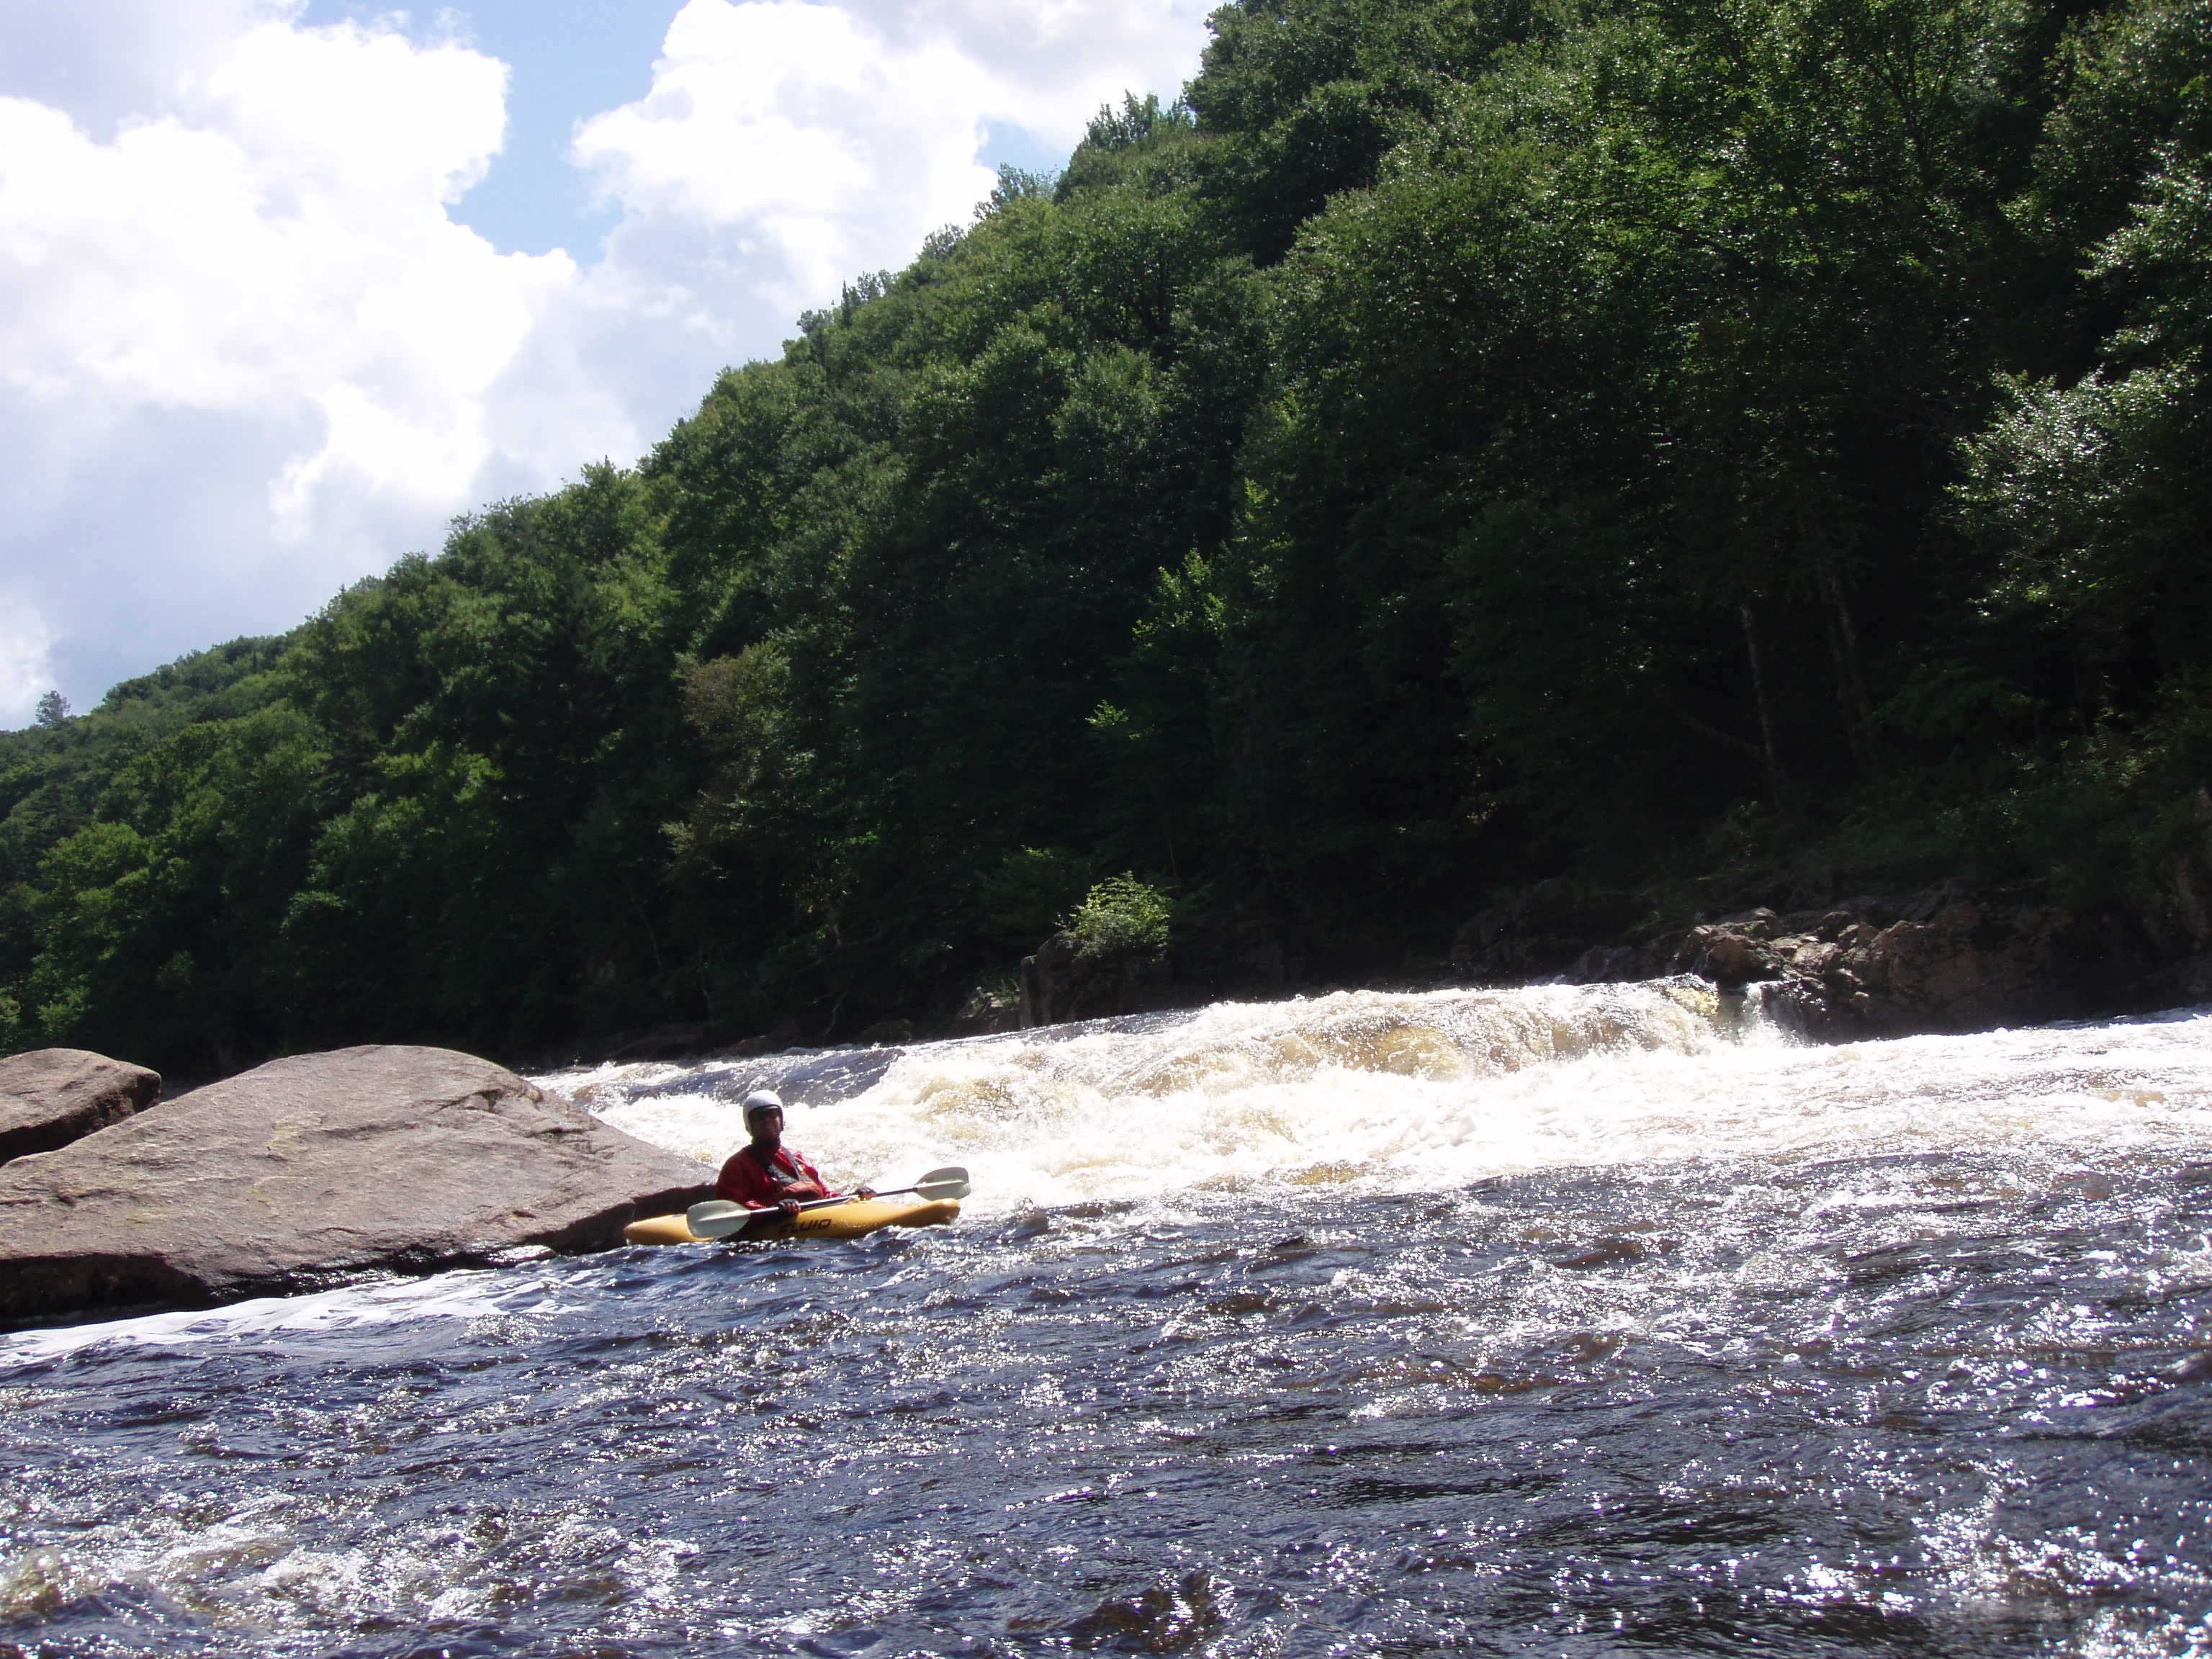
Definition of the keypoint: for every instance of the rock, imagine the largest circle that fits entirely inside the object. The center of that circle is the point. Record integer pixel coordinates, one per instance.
(987, 1011)
(50, 1097)
(1757, 923)
(1049, 982)
(1871, 910)
(1732, 953)
(1807, 955)
(1952, 961)
(1943, 959)
(1060, 983)
(307, 1172)
(1609, 964)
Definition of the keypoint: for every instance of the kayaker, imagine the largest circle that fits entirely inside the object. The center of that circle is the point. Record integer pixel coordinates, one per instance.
(765, 1174)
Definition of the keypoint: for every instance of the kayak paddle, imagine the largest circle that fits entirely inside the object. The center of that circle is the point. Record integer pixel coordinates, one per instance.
(718, 1218)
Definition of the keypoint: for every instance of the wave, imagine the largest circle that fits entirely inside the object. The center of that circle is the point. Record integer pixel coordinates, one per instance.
(1388, 1092)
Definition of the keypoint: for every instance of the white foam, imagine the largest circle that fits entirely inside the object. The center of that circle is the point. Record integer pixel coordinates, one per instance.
(1388, 1092)
(465, 1294)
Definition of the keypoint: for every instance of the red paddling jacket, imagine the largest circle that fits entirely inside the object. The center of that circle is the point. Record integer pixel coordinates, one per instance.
(758, 1185)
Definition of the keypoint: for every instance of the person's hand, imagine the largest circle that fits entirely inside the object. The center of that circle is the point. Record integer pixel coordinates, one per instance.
(864, 1192)
(789, 1207)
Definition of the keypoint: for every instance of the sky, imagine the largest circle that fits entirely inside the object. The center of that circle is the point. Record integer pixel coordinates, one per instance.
(285, 285)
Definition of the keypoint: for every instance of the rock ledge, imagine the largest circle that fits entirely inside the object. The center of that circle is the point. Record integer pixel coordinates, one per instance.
(50, 1097)
(311, 1170)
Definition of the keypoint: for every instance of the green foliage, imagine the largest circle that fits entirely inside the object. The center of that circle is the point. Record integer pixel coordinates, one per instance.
(1450, 444)
(1121, 921)
(1024, 898)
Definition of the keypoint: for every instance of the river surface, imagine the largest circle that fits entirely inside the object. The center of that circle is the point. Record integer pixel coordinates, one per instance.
(1560, 1322)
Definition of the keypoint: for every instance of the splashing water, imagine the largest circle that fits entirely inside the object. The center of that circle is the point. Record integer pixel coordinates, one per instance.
(1428, 1092)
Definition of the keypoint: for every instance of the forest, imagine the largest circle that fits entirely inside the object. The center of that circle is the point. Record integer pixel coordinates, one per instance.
(1453, 444)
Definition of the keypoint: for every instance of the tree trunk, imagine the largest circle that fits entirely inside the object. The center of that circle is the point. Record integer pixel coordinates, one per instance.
(1851, 698)
(1775, 781)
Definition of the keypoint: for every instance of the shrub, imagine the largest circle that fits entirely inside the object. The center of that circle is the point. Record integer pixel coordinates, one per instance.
(1122, 919)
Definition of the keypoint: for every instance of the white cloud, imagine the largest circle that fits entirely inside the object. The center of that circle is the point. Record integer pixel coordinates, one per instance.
(281, 246)
(106, 60)
(246, 355)
(808, 143)
(25, 671)
(249, 310)
(820, 142)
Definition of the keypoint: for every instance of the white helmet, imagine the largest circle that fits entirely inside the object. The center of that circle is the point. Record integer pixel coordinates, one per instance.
(762, 1100)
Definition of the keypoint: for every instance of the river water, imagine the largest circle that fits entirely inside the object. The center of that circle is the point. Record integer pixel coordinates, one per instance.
(1566, 1321)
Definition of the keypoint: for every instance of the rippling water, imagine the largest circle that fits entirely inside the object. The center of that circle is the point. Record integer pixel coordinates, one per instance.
(1559, 1321)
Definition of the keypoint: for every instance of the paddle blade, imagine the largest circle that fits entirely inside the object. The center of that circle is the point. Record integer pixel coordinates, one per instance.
(718, 1218)
(949, 1182)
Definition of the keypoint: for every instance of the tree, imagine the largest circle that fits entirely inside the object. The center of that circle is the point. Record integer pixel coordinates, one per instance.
(1459, 444)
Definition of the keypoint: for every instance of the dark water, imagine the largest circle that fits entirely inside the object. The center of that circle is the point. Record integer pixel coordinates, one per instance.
(1887, 1405)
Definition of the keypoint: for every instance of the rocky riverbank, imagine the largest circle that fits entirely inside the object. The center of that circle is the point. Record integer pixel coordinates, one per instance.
(1945, 959)
(1951, 957)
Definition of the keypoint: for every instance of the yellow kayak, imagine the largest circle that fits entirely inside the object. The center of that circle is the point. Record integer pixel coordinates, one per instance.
(852, 1219)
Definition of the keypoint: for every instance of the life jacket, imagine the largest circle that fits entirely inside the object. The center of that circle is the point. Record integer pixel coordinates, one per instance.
(760, 1183)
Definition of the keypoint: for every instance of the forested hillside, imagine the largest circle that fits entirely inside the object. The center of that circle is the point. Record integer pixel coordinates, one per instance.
(1455, 445)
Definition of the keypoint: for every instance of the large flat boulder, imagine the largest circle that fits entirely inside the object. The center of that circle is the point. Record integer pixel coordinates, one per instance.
(307, 1172)
(50, 1097)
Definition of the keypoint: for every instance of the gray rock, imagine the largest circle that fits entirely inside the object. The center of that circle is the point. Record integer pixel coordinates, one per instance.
(1614, 965)
(986, 1011)
(1731, 953)
(1756, 923)
(50, 1097)
(1060, 983)
(308, 1171)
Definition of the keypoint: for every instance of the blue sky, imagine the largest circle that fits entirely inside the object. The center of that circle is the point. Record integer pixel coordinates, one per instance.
(566, 58)
(285, 284)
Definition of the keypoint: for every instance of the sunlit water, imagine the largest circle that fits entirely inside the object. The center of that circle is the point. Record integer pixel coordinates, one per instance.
(1557, 1321)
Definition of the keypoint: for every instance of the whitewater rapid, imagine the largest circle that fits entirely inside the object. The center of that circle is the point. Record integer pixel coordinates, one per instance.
(1379, 1092)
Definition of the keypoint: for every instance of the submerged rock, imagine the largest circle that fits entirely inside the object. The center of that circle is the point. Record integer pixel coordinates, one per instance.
(310, 1171)
(51, 1096)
